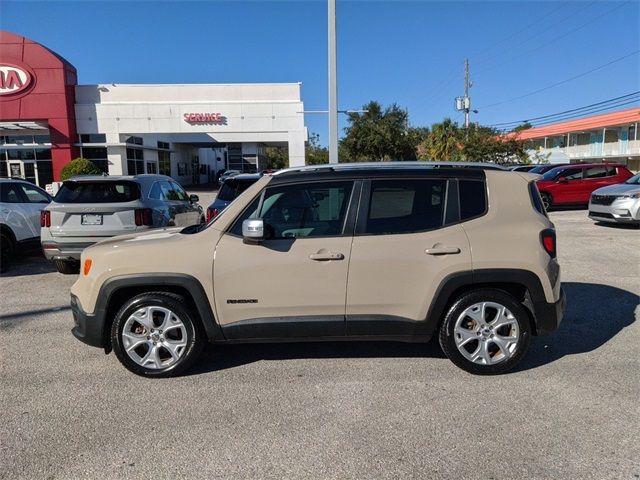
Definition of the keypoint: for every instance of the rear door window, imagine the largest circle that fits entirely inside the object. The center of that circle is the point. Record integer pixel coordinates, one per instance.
(10, 193)
(34, 194)
(98, 192)
(571, 174)
(473, 198)
(596, 172)
(232, 189)
(405, 206)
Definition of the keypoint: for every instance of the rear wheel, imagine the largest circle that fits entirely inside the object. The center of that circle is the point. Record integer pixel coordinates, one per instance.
(6, 251)
(485, 332)
(547, 201)
(67, 267)
(155, 335)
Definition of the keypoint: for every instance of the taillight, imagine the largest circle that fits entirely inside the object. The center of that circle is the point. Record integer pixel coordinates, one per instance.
(212, 213)
(548, 240)
(45, 218)
(144, 216)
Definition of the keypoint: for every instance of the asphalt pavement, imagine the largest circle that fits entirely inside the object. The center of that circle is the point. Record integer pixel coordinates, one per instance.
(345, 410)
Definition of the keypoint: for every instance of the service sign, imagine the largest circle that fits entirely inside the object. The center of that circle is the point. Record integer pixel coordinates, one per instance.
(215, 118)
(13, 79)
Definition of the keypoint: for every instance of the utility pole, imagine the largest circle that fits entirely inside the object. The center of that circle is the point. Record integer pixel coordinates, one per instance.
(467, 100)
(333, 85)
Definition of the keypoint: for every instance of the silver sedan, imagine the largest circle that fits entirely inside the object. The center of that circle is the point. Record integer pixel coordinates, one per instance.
(617, 203)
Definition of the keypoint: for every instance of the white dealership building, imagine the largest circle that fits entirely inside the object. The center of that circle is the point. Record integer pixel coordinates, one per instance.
(189, 132)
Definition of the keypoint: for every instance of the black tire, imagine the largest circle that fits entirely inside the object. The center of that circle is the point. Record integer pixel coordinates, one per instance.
(6, 248)
(195, 335)
(67, 267)
(447, 335)
(547, 200)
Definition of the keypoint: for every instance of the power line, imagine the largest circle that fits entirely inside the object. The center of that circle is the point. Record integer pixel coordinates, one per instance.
(561, 82)
(573, 110)
(555, 39)
(537, 33)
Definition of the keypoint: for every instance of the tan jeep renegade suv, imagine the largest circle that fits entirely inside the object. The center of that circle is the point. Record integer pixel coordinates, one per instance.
(396, 252)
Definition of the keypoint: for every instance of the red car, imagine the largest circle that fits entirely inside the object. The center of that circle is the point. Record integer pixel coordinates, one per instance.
(573, 184)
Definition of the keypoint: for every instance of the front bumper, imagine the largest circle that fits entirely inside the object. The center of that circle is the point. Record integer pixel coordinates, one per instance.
(549, 315)
(622, 210)
(88, 328)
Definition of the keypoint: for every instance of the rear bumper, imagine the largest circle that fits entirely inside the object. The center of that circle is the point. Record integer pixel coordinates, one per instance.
(88, 328)
(64, 251)
(549, 315)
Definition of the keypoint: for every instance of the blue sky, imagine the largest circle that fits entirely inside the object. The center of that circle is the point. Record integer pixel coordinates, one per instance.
(411, 53)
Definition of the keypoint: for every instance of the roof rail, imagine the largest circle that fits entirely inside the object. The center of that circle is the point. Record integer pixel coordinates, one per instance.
(389, 165)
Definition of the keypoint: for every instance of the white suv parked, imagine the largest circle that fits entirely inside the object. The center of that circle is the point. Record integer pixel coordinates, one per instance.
(20, 205)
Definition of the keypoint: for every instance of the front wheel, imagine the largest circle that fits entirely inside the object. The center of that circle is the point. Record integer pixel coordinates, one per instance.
(485, 332)
(155, 335)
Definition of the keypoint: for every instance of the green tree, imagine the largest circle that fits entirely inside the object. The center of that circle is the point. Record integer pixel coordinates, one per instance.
(380, 134)
(79, 166)
(444, 142)
(450, 142)
(315, 154)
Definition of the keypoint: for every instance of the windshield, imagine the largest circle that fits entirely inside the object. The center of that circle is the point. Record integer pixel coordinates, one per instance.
(635, 180)
(232, 188)
(98, 192)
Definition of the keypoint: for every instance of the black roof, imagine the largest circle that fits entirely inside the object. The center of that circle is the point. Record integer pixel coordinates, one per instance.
(380, 170)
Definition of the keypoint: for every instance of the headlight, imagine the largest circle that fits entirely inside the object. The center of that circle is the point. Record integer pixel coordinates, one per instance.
(631, 195)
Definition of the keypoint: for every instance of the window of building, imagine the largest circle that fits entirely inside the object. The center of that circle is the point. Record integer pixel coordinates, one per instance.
(632, 132)
(405, 206)
(45, 172)
(611, 136)
(152, 167)
(42, 139)
(164, 163)
(17, 139)
(21, 154)
(4, 171)
(94, 153)
(163, 145)
(93, 138)
(135, 161)
(134, 140)
(43, 153)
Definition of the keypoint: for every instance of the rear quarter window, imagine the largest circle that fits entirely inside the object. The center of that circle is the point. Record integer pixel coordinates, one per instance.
(98, 192)
(473, 198)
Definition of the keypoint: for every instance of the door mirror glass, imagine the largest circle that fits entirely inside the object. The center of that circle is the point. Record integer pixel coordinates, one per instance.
(563, 180)
(194, 198)
(253, 229)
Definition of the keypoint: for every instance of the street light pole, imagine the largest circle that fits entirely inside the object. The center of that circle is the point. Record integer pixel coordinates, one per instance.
(333, 85)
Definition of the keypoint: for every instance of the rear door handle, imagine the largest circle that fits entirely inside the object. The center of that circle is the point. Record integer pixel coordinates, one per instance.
(438, 249)
(323, 256)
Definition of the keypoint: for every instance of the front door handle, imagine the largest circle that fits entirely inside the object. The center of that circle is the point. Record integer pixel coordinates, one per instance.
(439, 249)
(324, 255)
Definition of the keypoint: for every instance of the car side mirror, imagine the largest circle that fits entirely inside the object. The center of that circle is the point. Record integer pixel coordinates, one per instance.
(194, 198)
(563, 180)
(253, 230)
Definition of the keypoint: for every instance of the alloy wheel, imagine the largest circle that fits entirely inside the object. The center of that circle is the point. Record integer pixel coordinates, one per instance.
(487, 333)
(154, 337)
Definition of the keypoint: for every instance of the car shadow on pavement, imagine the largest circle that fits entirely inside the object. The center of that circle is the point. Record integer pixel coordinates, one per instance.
(222, 357)
(594, 315)
(32, 263)
(619, 226)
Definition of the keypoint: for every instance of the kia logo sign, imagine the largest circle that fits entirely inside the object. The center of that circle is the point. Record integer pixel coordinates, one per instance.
(214, 118)
(13, 79)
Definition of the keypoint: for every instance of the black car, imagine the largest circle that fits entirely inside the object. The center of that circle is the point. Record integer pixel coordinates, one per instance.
(230, 189)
